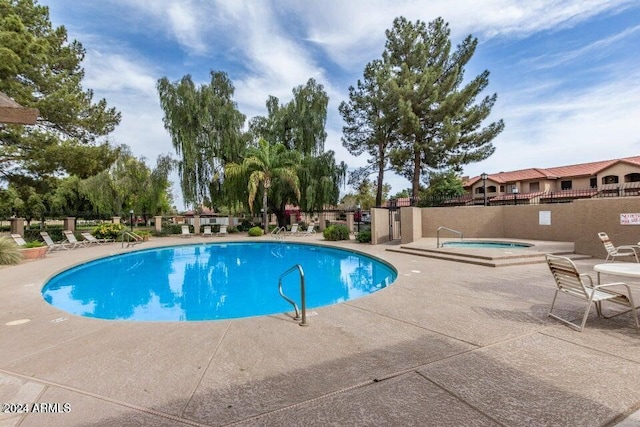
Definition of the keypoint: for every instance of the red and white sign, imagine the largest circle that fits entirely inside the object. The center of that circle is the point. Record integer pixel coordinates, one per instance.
(630, 219)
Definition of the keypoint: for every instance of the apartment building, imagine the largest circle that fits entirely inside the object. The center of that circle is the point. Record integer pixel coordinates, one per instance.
(607, 178)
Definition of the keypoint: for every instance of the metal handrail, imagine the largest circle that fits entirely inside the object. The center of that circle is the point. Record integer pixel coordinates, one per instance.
(302, 296)
(130, 235)
(448, 229)
(277, 230)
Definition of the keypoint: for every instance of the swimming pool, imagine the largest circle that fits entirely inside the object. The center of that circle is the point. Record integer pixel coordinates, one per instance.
(485, 244)
(213, 281)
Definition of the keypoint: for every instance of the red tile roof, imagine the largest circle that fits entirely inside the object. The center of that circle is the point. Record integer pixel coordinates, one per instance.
(582, 169)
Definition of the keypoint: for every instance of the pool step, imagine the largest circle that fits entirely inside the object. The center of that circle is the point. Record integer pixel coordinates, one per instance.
(497, 258)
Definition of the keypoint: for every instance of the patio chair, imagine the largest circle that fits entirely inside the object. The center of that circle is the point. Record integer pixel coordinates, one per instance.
(310, 229)
(186, 232)
(72, 241)
(18, 239)
(294, 230)
(92, 240)
(206, 232)
(570, 282)
(51, 245)
(223, 231)
(614, 252)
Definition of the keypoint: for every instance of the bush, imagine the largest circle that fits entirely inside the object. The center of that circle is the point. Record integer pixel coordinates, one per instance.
(9, 252)
(256, 231)
(364, 236)
(336, 232)
(108, 230)
(33, 244)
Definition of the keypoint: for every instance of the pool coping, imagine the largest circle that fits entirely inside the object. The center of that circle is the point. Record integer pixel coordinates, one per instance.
(446, 344)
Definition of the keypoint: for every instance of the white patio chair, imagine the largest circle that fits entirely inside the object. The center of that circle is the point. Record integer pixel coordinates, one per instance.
(53, 246)
(223, 231)
(614, 252)
(18, 239)
(92, 240)
(206, 231)
(570, 282)
(186, 232)
(72, 241)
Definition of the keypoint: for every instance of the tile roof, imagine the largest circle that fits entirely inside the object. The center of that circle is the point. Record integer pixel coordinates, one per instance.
(582, 169)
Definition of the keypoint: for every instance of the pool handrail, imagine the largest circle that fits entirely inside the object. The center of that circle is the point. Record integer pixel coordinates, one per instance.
(448, 229)
(129, 236)
(302, 294)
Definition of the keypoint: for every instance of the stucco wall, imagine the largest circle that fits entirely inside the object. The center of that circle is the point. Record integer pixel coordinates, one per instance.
(472, 221)
(411, 220)
(379, 226)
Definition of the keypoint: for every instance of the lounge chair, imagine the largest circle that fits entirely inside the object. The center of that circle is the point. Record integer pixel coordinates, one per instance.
(53, 246)
(206, 232)
(570, 282)
(294, 230)
(18, 239)
(72, 241)
(92, 240)
(620, 251)
(223, 231)
(310, 229)
(186, 232)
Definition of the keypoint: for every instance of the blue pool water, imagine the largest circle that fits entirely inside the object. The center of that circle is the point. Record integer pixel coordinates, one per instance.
(485, 244)
(213, 281)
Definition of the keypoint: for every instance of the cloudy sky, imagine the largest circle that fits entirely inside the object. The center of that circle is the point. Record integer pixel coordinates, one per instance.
(567, 72)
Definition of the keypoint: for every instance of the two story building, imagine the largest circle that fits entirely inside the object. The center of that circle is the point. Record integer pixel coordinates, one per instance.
(617, 177)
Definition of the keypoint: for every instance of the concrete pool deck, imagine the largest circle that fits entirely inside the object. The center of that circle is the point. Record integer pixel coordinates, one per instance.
(446, 344)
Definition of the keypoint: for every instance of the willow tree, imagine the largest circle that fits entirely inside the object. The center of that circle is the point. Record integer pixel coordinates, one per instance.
(439, 121)
(41, 69)
(206, 130)
(261, 167)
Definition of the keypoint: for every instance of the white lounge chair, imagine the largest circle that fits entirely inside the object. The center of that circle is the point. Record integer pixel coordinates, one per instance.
(614, 252)
(18, 239)
(310, 229)
(570, 282)
(92, 240)
(53, 246)
(72, 241)
(186, 232)
(206, 232)
(223, 231)
(294, 230)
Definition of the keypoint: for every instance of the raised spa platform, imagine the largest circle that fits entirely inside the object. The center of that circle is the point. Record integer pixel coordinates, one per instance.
(489, 256)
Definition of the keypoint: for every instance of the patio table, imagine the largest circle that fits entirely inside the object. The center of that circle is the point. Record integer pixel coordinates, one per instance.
(627, 269)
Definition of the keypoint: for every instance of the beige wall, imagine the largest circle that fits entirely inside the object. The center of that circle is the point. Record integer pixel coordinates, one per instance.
(577, 222)
(379, 226)
(619, 169)
(411, 224)
(472, 221)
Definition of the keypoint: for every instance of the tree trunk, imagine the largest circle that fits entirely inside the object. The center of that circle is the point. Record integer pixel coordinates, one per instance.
(380, 183)
(415, 180)
(265, 223)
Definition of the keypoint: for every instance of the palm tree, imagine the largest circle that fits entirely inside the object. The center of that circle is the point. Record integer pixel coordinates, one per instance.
(263, 164)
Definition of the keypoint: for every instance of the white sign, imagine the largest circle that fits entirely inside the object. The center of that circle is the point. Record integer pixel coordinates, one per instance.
(544, 217)
(630, 219)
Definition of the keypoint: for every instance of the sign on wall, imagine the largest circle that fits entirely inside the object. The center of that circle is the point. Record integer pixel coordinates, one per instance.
(630, 219)
(544, 217)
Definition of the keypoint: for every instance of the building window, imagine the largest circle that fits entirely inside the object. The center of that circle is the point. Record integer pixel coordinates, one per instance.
(491, 189)
(565, 185)
(593, 182)
(502, 188)
(632, 177)
(610, 179)
(479, 190)
(534, 186)
(510, 188)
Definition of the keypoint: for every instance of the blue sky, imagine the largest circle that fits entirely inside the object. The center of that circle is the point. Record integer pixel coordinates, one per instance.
(567, 73)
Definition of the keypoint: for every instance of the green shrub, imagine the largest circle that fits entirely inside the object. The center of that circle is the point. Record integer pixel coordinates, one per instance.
(336, 232)
(232, 229)
(245, 225)
(364, 236)
(108, 230)
(9, 252)
(33, 244)
(256, 231)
